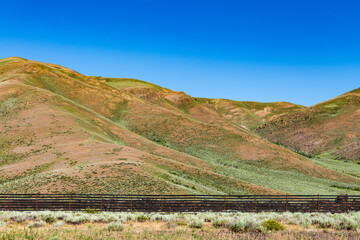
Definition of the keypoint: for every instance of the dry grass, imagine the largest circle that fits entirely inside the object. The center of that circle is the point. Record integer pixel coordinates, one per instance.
(96, 232)
(164, 231)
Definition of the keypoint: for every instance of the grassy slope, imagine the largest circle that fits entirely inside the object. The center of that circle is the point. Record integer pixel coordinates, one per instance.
(329, 127)
(67, 132)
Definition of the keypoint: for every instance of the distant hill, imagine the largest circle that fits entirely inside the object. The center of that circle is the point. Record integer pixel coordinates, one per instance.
(62, 131)
(331, 127)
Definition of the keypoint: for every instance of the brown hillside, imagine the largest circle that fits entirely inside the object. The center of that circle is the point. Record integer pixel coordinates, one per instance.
(329, 127)
(63, 131)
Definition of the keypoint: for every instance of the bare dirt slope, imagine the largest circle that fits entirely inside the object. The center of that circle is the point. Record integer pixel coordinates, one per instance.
(62, 131)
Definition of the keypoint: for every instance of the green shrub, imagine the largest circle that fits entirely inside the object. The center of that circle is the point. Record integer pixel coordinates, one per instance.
(208, 217)
(305, 222)
(116, 226)
(253, 224)
(273, 225)
(90, 210)
(37, 224)
(181, 222)
(196, 223)
(218, 223)
(49, 219)
(238, 225)
(347, 224)
(19, 218)
(109, 217)
(99, 219)
(77, 219)
(58, 224)
(142, 218)
(325, 222)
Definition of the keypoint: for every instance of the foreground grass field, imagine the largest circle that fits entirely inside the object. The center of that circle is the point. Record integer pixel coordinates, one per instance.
(91, 225)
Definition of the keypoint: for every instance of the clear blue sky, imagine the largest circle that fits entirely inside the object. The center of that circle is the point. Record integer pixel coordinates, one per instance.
(303, 51)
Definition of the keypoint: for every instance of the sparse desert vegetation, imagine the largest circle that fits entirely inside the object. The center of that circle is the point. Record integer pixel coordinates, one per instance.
(89, 152)
(64, 132)
(209, 225)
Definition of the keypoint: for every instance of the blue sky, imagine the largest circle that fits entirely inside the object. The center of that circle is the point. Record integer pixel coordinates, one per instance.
(299, 51)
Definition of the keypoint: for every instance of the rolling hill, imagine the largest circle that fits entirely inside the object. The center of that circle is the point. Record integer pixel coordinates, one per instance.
(331, 127)
(62, 131)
